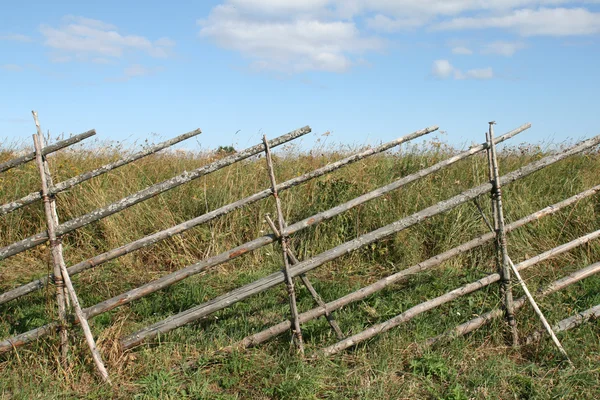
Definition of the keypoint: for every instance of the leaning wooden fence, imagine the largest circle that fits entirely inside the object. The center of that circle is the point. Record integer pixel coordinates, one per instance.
(291, 266)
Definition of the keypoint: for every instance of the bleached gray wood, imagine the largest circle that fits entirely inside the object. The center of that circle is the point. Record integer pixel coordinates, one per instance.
(567, 323)
(283, 241)
(145, 194)
(255, 339)
(274, 279)
(184, 226)
(452, 295)
(305, 266)
(57, 255)
(76, 180)
(5, 166)
(311, 289)
(478, 322)
(55, 245)
(502, 258)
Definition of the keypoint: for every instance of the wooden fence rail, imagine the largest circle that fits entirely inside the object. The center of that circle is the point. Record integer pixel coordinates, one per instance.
(5, 166)
(76, 180)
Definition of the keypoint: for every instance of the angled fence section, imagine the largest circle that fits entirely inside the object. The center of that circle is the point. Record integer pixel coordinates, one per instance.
(292, 267)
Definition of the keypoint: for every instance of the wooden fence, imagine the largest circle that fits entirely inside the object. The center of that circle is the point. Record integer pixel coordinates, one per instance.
(281, 232)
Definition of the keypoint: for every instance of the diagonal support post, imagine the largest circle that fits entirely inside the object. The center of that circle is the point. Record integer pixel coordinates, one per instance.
(283, 240)
(311, 289)
(502, 259)
(58, 260)
(501, 235)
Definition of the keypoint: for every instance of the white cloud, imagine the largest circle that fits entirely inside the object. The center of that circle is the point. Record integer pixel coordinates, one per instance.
(384, 23)
(481, 73)
(86, 39)
(503, 48)
(135, 71)
(332, 35)
(11, 67)
(443, 69)
(462, 50)
(533, 22)
(16, 37)
(287, 44)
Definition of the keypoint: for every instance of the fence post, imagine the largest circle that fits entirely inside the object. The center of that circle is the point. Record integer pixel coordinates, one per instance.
(55, 243)
(311, 289)
(58, 260)
(297, 333)
(502, 259)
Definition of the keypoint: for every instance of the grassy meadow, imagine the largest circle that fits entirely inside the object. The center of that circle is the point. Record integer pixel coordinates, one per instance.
(394, 365)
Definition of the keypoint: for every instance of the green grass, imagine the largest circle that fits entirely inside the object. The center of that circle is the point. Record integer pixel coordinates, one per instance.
(392, 365)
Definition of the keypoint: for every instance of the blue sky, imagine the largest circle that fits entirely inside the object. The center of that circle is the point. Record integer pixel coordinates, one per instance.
(367, 71)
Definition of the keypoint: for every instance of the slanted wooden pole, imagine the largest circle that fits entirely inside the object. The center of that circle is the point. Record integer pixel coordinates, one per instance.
(76, 180)
(313, 292)
(5, 166)
(283, 240)
(478, 322)
(567, 323)
(55, 244)
(57, 255)
(502, 259)
(532, 301)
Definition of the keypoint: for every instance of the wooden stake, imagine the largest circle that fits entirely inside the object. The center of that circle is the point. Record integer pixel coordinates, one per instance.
(55, 245)
(313, 292)
(283, 240)
(533, 303)
(55, 242)
(502, 259)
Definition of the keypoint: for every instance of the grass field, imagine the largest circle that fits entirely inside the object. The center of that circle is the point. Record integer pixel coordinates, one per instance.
(394, 365)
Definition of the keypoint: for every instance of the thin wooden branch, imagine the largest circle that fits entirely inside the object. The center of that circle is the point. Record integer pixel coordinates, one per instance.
(539, 313)
(447, 297)
(403, 275)
(76, 180)
(52, 221)
(478, 322)
(184, 226)
(283, 240)
(145, 194)
(502, 258)
(5, 166)
(311, 289)
(274, 279)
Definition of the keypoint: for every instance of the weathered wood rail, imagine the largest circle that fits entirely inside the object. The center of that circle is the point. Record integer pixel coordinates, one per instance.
(5, 166)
